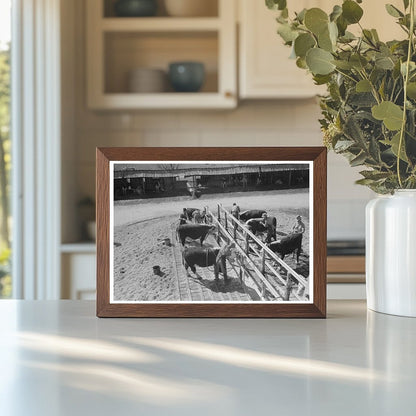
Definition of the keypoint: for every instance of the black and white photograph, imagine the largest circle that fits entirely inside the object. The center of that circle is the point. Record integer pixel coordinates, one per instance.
(211, 232)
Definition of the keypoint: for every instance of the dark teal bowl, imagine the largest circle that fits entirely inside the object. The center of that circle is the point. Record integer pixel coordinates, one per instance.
(135, 8)
(187, 76)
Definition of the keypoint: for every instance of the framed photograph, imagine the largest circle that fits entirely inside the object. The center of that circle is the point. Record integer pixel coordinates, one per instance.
(211, 232)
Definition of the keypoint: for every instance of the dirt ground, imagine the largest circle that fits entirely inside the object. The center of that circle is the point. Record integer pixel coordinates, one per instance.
(141, 226)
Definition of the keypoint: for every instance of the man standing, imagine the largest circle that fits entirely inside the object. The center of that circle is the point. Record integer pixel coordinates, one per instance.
(235, 211)
(299, 226)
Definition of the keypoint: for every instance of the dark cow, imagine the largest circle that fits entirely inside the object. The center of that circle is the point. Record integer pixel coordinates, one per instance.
(194, 231)
(206, 257)
(253, 213)
(255, 225)
(189, 212)
(287, 245)
(261, 225)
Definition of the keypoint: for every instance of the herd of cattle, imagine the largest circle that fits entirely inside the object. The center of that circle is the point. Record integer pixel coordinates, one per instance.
(196, 224)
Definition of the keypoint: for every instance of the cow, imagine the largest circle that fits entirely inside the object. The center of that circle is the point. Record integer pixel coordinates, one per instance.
(206, 257)
(183, 219)
(194, 231)
(253, 213)
(262, 225)
(199, 216)
(287, 245)
(188, 212)
(256, 226)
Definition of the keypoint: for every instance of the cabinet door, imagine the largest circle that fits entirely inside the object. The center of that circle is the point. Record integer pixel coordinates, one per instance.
(78, 274)
(265, 68)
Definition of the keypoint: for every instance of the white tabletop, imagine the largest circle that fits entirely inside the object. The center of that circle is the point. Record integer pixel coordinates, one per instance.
(57, 358)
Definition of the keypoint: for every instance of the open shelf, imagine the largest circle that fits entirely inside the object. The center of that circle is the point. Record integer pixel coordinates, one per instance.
(127, 51)
(119, 45)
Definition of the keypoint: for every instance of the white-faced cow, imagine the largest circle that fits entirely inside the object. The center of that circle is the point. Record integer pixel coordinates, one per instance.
(206, 257)
(194, 232)
(287, 245)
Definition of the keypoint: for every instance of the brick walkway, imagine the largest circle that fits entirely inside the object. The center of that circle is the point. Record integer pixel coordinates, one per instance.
(205, 288)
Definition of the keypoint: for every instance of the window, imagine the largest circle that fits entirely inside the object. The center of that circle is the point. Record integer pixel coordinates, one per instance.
(5, 147)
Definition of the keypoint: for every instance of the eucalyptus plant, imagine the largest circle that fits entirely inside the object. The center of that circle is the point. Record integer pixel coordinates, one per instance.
(369, 111)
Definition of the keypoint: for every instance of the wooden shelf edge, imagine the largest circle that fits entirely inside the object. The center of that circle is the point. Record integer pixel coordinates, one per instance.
(87, 247)
(160, 24)
(126, 101)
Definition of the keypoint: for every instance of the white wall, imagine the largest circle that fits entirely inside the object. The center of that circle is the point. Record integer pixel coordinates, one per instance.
(256, 123)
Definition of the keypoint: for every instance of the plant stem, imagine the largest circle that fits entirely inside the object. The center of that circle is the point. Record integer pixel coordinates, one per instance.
(406, 80)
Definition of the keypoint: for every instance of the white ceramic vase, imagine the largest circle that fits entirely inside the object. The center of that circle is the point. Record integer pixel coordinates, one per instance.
(391, 253)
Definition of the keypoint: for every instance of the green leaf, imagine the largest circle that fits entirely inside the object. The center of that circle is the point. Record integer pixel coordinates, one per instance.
(321, 79)
(374, 175)
(347, 37)
(336, 12)
(301, 63)
(394, 143)
(303, 43)
(358, 61)
(301, 15)
(384, 62)
(406, 4)
(319, 61)
(358, 160)
(388, 112)
(351, 11)
(276, 4)
(343, 145)
(325, 42)
(393, 11)
(411, 90)
(375, 35)
(316, 20)
(342, 25)
(344, 65)
(287, 33)
(363, 86)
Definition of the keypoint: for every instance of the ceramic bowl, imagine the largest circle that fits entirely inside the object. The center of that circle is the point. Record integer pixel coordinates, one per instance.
(186, 76)
(147, 80)
(135, 8)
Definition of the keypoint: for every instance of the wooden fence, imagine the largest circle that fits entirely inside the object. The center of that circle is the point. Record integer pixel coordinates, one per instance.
(257, 263)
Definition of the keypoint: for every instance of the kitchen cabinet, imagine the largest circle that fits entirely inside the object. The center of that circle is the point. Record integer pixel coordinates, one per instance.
(78, 263)
(265, 70)
(118, 45)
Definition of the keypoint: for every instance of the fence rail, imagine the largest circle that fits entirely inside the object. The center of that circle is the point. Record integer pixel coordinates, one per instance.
(258, 268)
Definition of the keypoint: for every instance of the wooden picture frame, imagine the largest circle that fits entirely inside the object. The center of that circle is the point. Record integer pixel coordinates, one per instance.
(211, 161)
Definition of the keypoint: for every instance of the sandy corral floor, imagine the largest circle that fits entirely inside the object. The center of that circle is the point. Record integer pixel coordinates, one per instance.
(141, 226)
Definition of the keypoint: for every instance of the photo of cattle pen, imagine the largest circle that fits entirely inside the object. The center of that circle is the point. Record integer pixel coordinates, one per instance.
(211, 232)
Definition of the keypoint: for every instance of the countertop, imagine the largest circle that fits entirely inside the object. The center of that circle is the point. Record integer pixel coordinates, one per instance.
(57, 358)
